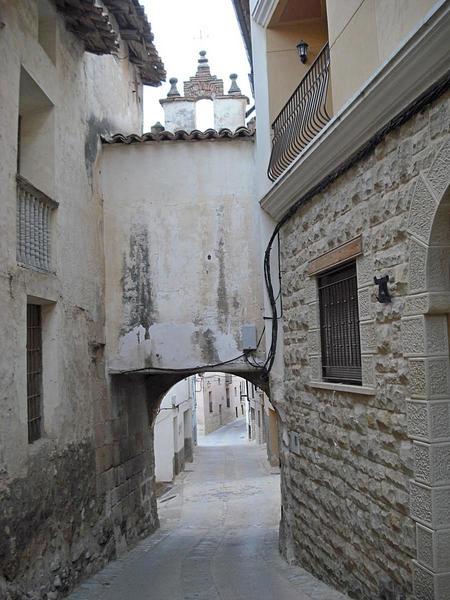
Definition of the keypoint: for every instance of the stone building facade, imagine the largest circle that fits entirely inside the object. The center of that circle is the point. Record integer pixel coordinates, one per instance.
(365, 458)
(365, 462)
(219, 401)
(76, 457)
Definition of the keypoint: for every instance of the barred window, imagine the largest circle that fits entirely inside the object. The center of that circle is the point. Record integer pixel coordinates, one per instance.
(34, 371)
(339, 325)
(33, 226)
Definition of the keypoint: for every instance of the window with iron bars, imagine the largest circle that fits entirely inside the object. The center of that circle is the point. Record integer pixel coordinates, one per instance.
(34, 372)
(339, 325)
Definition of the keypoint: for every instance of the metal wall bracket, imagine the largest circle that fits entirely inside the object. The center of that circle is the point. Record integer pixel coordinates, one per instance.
(384, 295)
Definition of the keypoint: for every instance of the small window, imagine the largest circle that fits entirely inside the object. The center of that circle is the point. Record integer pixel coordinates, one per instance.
(236, 408)
(227, 391)
(34, 372)
(210, 402)
(339, 325)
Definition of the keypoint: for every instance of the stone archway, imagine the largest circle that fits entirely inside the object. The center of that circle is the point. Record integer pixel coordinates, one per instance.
(159, 384)
(425, 343)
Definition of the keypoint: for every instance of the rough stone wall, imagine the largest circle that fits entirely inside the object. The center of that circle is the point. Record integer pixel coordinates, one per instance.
(79, 506)
(346, 489)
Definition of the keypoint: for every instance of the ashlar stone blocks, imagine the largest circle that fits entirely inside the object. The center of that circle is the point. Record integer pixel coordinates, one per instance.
(430, 505)
(425, 335)
(429, 585)
(433, 548)
(429, 377)
(432, 463)
(428, 420)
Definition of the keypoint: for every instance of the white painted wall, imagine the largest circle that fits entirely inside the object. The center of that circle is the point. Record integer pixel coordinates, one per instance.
(164, 446)
(262, 157)
(173, 426)
(229, 112)
(179, 113)
(183, 269)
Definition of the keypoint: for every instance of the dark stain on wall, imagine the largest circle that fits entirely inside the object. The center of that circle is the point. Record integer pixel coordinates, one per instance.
(94, 129)
(207, 342)
(136, 283)
(222, 298)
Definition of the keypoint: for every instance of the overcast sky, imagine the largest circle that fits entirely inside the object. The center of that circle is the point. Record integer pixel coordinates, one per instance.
(184, 27)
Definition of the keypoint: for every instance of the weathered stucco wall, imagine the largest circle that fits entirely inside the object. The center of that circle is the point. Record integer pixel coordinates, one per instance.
(59, 516)
(346, 488)
(181, 244)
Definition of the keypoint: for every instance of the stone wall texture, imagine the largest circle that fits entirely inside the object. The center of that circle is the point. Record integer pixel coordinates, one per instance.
(78, 507)
(346, 488)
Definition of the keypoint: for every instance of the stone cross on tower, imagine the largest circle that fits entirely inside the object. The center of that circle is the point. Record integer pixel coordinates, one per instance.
(180, 111)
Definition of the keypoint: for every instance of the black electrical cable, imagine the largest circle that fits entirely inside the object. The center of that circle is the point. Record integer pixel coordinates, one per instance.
(185, 370)
(198, 368)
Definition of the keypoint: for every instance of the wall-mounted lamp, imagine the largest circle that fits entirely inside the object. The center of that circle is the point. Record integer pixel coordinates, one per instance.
(302, 49)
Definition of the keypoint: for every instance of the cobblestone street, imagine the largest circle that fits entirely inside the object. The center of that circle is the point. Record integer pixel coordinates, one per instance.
(218, 537)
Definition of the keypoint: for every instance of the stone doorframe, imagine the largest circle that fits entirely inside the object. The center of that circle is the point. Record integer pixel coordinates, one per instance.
(425, 343)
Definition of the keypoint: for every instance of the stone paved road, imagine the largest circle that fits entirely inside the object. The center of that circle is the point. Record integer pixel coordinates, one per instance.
(218, 536)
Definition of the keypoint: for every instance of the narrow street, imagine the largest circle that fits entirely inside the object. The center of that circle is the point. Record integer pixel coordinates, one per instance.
(218, 537)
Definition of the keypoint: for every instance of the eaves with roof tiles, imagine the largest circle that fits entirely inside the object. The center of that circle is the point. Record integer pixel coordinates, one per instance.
(101, 24)
(181, 135)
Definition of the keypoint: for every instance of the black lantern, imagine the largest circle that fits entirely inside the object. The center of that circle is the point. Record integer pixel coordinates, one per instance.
(302, 48)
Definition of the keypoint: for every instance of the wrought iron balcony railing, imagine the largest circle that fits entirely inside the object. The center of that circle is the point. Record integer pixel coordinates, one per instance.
(34, 210)
(302, 117)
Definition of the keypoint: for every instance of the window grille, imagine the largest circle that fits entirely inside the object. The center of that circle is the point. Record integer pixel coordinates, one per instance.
(339, 325)
(34, 371)
(33, 225)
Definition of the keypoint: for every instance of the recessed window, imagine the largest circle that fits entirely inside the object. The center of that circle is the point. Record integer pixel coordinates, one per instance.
(210, 402)
(227, 391)
(47, 28)
(35, 175)
(339, 325)
(34, 372)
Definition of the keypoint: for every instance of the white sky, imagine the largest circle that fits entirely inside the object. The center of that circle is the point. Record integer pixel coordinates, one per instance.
(184, 27)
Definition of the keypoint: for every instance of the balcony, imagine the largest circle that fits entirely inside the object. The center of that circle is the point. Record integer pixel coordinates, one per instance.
(302, 117)
(34, 210)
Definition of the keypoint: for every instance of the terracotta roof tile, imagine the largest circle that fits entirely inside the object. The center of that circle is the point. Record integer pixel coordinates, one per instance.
(167, 136)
